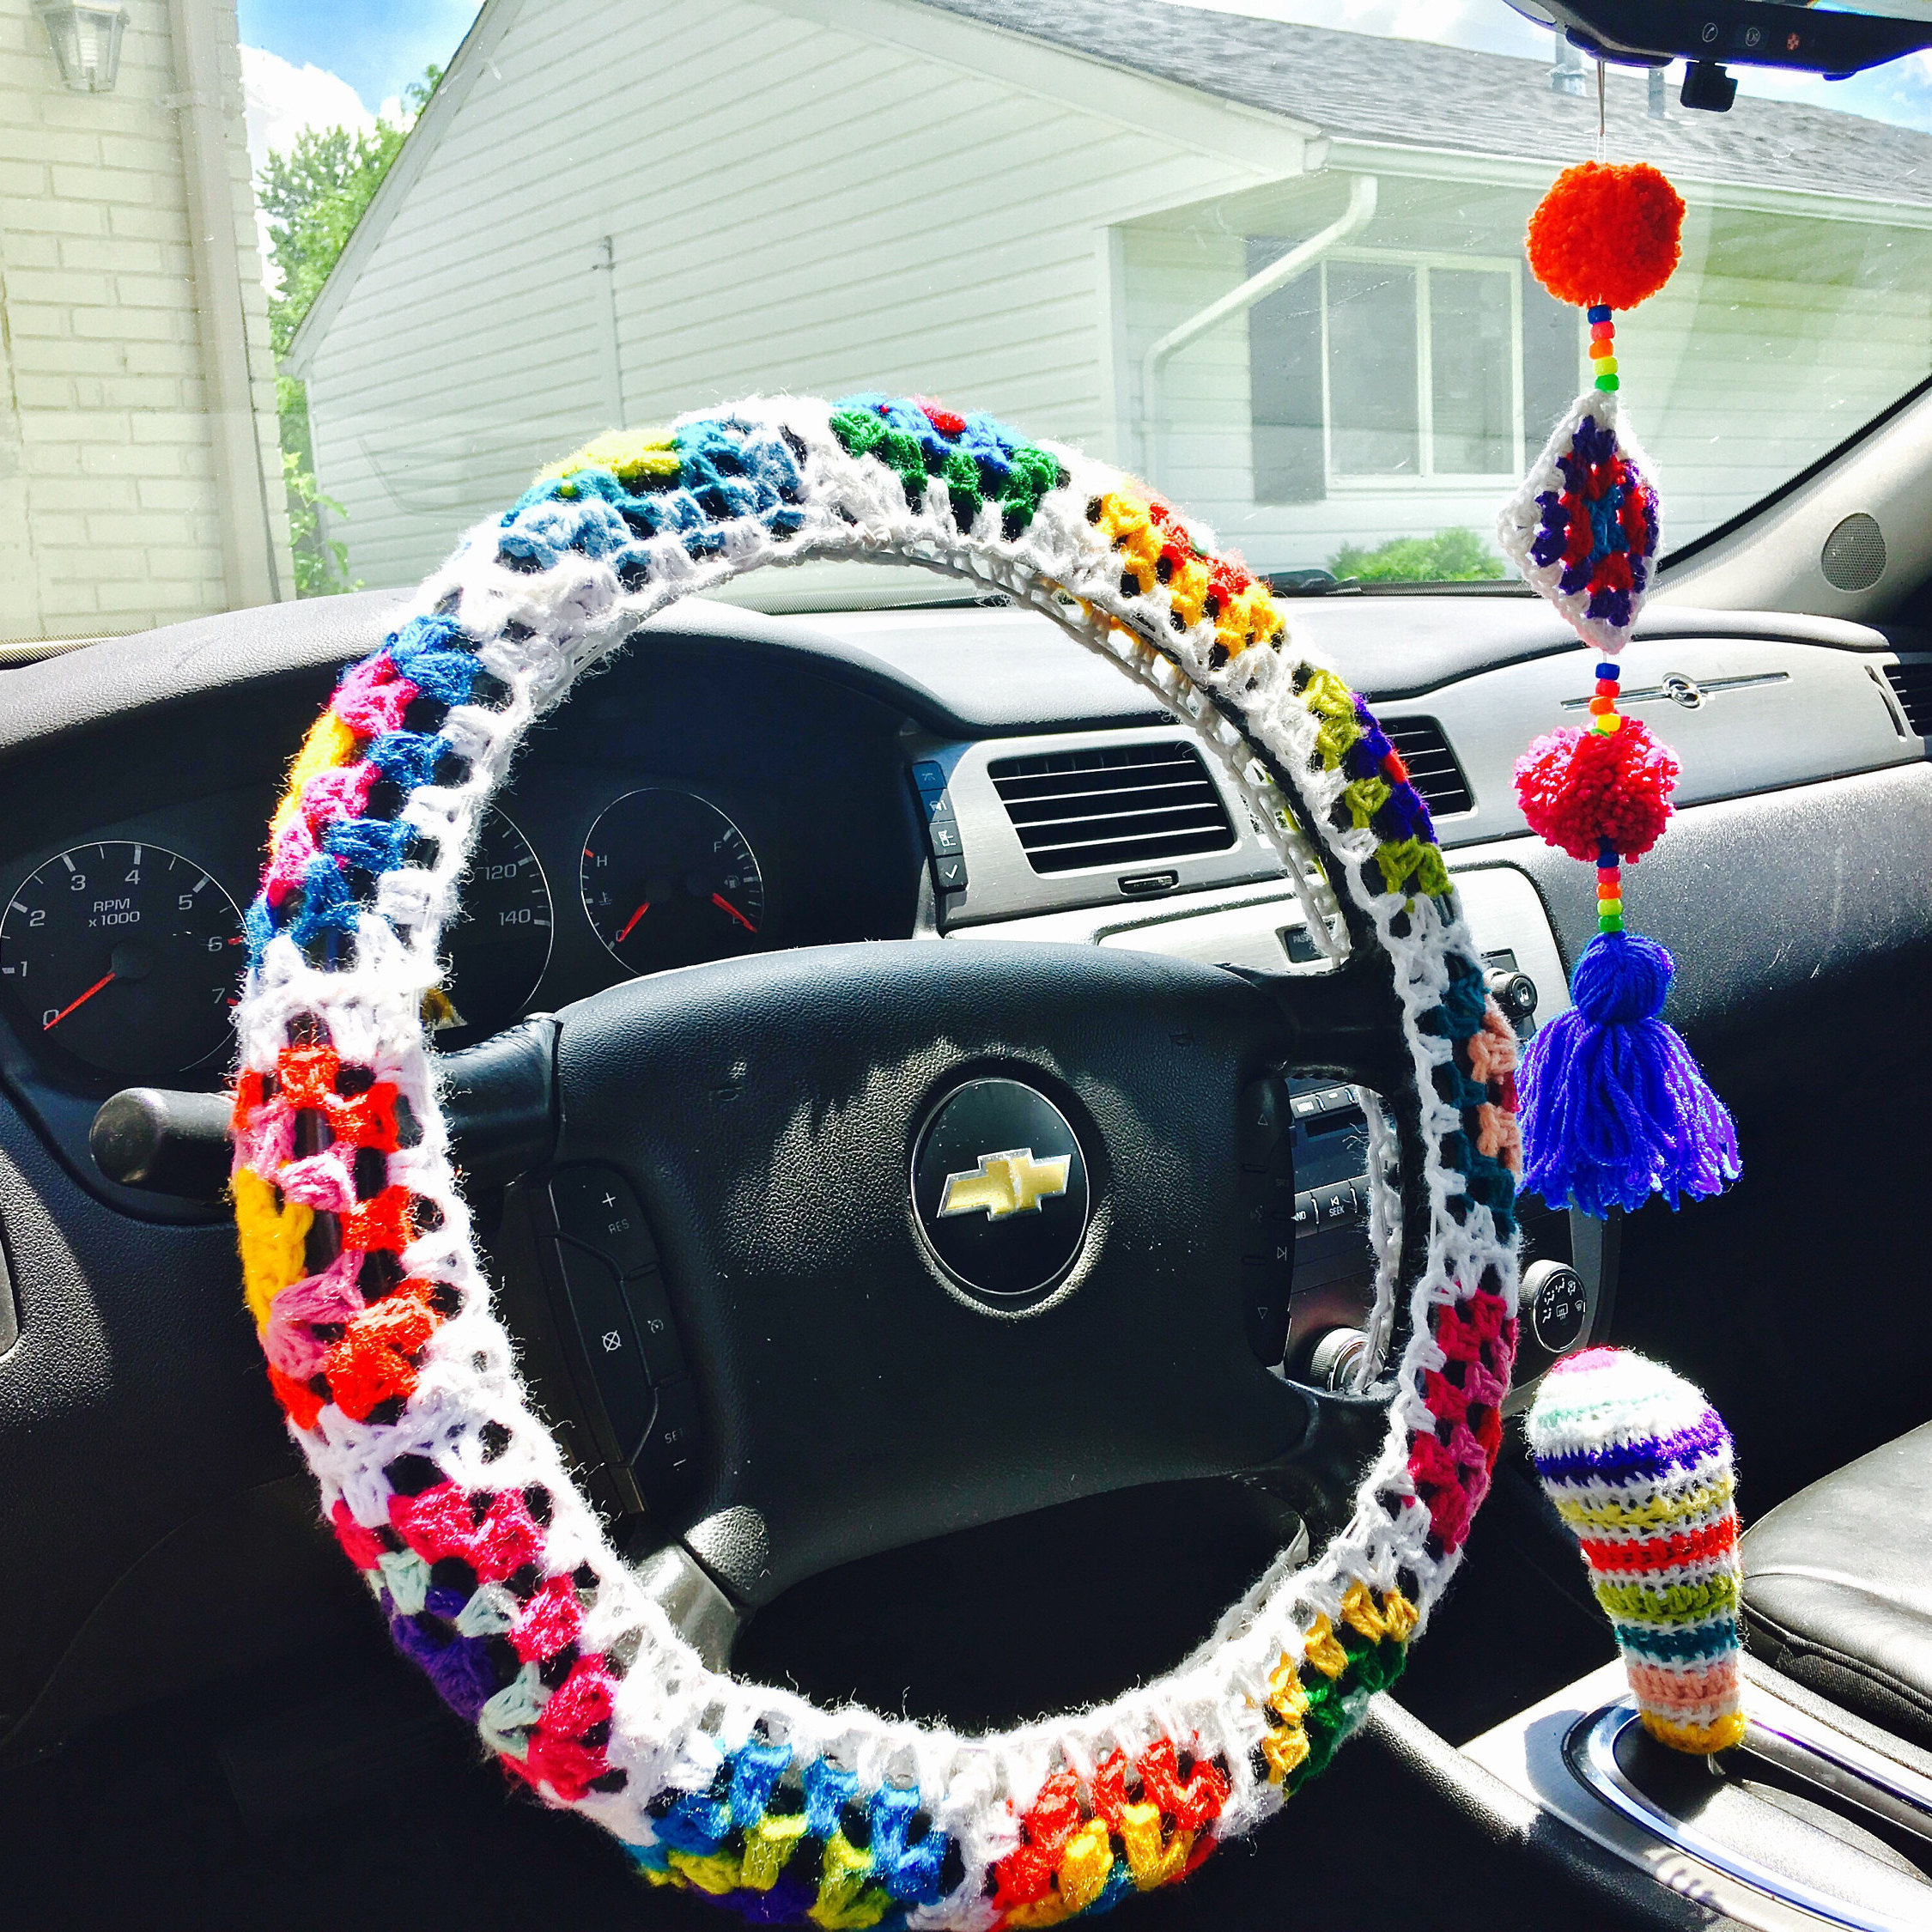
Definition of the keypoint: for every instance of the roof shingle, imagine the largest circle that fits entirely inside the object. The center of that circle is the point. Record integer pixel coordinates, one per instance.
(1412, 93)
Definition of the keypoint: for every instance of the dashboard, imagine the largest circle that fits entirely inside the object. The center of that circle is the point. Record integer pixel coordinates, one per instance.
(733, 782)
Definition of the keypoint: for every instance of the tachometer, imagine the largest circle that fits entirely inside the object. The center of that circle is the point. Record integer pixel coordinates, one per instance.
(126, 956)
(668, 880)
(498, 943)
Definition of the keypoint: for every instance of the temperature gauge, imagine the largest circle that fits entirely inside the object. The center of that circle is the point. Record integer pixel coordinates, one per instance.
(668, 880)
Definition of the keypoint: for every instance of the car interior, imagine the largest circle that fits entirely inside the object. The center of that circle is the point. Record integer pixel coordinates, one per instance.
(744, 921)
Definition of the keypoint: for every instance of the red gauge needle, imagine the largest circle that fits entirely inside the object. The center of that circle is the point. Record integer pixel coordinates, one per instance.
(723, 905)
(632, 920)
(50, 1025)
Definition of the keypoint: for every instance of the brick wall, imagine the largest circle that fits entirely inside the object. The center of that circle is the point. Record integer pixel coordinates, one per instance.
(112, 510)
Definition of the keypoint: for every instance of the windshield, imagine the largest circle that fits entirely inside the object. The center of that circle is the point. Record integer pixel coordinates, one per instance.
(293, 295)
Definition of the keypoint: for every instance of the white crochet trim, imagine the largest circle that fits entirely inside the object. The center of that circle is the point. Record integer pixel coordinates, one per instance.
(1520, 519)
(675, 1719)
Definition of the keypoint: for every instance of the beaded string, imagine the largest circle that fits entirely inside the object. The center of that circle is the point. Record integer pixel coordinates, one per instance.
(1603, 347)
(1607, 720)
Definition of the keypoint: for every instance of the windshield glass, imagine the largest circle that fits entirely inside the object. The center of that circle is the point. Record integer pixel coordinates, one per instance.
(1268, 255)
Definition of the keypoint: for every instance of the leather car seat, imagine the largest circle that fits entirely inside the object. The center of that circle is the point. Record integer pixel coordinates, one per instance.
(1838, 1586)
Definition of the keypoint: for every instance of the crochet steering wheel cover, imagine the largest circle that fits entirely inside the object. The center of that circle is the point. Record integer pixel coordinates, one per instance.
(448, 1492)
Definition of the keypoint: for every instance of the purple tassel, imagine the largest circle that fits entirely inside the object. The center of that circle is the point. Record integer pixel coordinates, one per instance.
(1613, 1108)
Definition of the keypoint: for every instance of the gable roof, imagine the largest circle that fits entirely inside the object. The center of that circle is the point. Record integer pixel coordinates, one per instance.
(1412, 93)
(1359, 87)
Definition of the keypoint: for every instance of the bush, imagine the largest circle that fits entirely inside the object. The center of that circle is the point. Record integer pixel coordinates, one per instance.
(1450, 557)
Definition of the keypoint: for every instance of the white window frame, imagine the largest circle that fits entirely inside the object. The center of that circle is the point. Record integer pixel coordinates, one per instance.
(1427, 477)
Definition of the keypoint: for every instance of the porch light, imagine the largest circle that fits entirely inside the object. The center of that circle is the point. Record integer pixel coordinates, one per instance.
(87, 43)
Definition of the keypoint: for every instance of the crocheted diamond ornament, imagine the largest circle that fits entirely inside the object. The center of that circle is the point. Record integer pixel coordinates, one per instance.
(1638, 1465)
(1583, 527)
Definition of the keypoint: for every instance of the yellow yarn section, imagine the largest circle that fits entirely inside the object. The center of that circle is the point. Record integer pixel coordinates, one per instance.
(328, 746)
(1395, 1616)
(1085, 1866)
(1285, 1748)
(1243, 619)
(1699, 1739)
(1325, 1652)
(843, 1901)
(630, 455)
(271, 1242)
(1653, 1512)
(769, 1844)
(716, 1873)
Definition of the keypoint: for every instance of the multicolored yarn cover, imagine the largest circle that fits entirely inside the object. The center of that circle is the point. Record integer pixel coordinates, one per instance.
(449, 1493)
(1639, 1466)
(1614, 1107)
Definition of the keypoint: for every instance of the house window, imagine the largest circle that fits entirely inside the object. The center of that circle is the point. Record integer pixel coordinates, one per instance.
(1388, 370)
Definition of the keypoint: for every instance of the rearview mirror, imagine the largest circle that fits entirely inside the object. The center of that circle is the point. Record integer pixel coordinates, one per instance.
(1707, 33)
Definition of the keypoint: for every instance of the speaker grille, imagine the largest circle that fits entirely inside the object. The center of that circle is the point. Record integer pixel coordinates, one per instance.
(1853, 558)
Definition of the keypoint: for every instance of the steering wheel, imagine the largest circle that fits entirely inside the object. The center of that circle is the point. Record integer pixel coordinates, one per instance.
(873, 1365)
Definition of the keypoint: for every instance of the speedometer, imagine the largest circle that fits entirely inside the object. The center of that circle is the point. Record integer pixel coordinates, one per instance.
(126, 956)
(668, 880)
(498, 943)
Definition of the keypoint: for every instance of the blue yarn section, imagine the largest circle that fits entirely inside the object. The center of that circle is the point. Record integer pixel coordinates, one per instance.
(1614, 1107)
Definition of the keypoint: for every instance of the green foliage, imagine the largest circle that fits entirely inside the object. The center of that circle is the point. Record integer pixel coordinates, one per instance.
(321, 561)
(1450, 557)
(314, 196)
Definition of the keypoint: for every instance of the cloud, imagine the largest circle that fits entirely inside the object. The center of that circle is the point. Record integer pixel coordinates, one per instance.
(281, 100)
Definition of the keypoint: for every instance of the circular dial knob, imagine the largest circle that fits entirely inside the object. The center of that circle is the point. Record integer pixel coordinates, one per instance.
(1555, 1304)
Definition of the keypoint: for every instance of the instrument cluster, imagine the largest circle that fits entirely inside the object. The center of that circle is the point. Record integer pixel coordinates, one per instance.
(123, 958)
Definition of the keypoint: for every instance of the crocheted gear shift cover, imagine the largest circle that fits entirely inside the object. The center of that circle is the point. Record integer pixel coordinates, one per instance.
(447, 1491)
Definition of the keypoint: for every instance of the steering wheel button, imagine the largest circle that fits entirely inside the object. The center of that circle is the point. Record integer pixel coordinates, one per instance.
(1264, 1113)
(595, 1205)
(650, 1307)
(610, 1345)
(667, 1460)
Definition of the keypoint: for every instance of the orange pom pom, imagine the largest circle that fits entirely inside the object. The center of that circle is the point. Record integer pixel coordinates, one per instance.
(1606, 234)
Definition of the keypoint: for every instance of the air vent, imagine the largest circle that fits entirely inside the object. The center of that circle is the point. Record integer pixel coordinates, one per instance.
(1911, 683)
(1433, 768)
(1110, 805)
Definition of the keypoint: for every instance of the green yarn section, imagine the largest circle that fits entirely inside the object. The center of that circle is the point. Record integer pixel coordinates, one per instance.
(970, 484)
(1337, 1705)
(1672, 1603)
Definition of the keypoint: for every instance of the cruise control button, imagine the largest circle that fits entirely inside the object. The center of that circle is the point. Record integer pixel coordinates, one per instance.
(664, 1356)
(667, 1461)
(595, 1205)
(609, 1335)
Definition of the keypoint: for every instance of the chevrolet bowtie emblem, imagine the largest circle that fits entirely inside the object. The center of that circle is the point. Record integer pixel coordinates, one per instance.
(1003, 1184)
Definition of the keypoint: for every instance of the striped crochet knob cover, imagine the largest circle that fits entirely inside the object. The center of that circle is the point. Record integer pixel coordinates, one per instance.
(1638, 1464)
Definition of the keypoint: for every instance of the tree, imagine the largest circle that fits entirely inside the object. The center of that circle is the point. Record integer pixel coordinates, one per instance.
(314, 196)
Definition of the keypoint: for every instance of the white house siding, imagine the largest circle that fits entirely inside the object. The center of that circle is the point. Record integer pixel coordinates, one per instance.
(110, 517)
(791, 204)
(1779, 336)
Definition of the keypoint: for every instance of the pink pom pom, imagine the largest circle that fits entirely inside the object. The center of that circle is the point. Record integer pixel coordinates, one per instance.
(1578, 789)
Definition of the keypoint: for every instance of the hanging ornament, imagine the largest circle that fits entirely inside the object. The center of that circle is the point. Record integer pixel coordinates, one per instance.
(1614, 1108)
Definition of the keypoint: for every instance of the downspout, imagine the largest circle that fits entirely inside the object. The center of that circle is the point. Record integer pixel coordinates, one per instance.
(1353, 219)
(221, 321)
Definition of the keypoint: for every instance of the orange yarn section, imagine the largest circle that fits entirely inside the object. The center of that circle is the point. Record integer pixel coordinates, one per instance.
(1607, 235)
